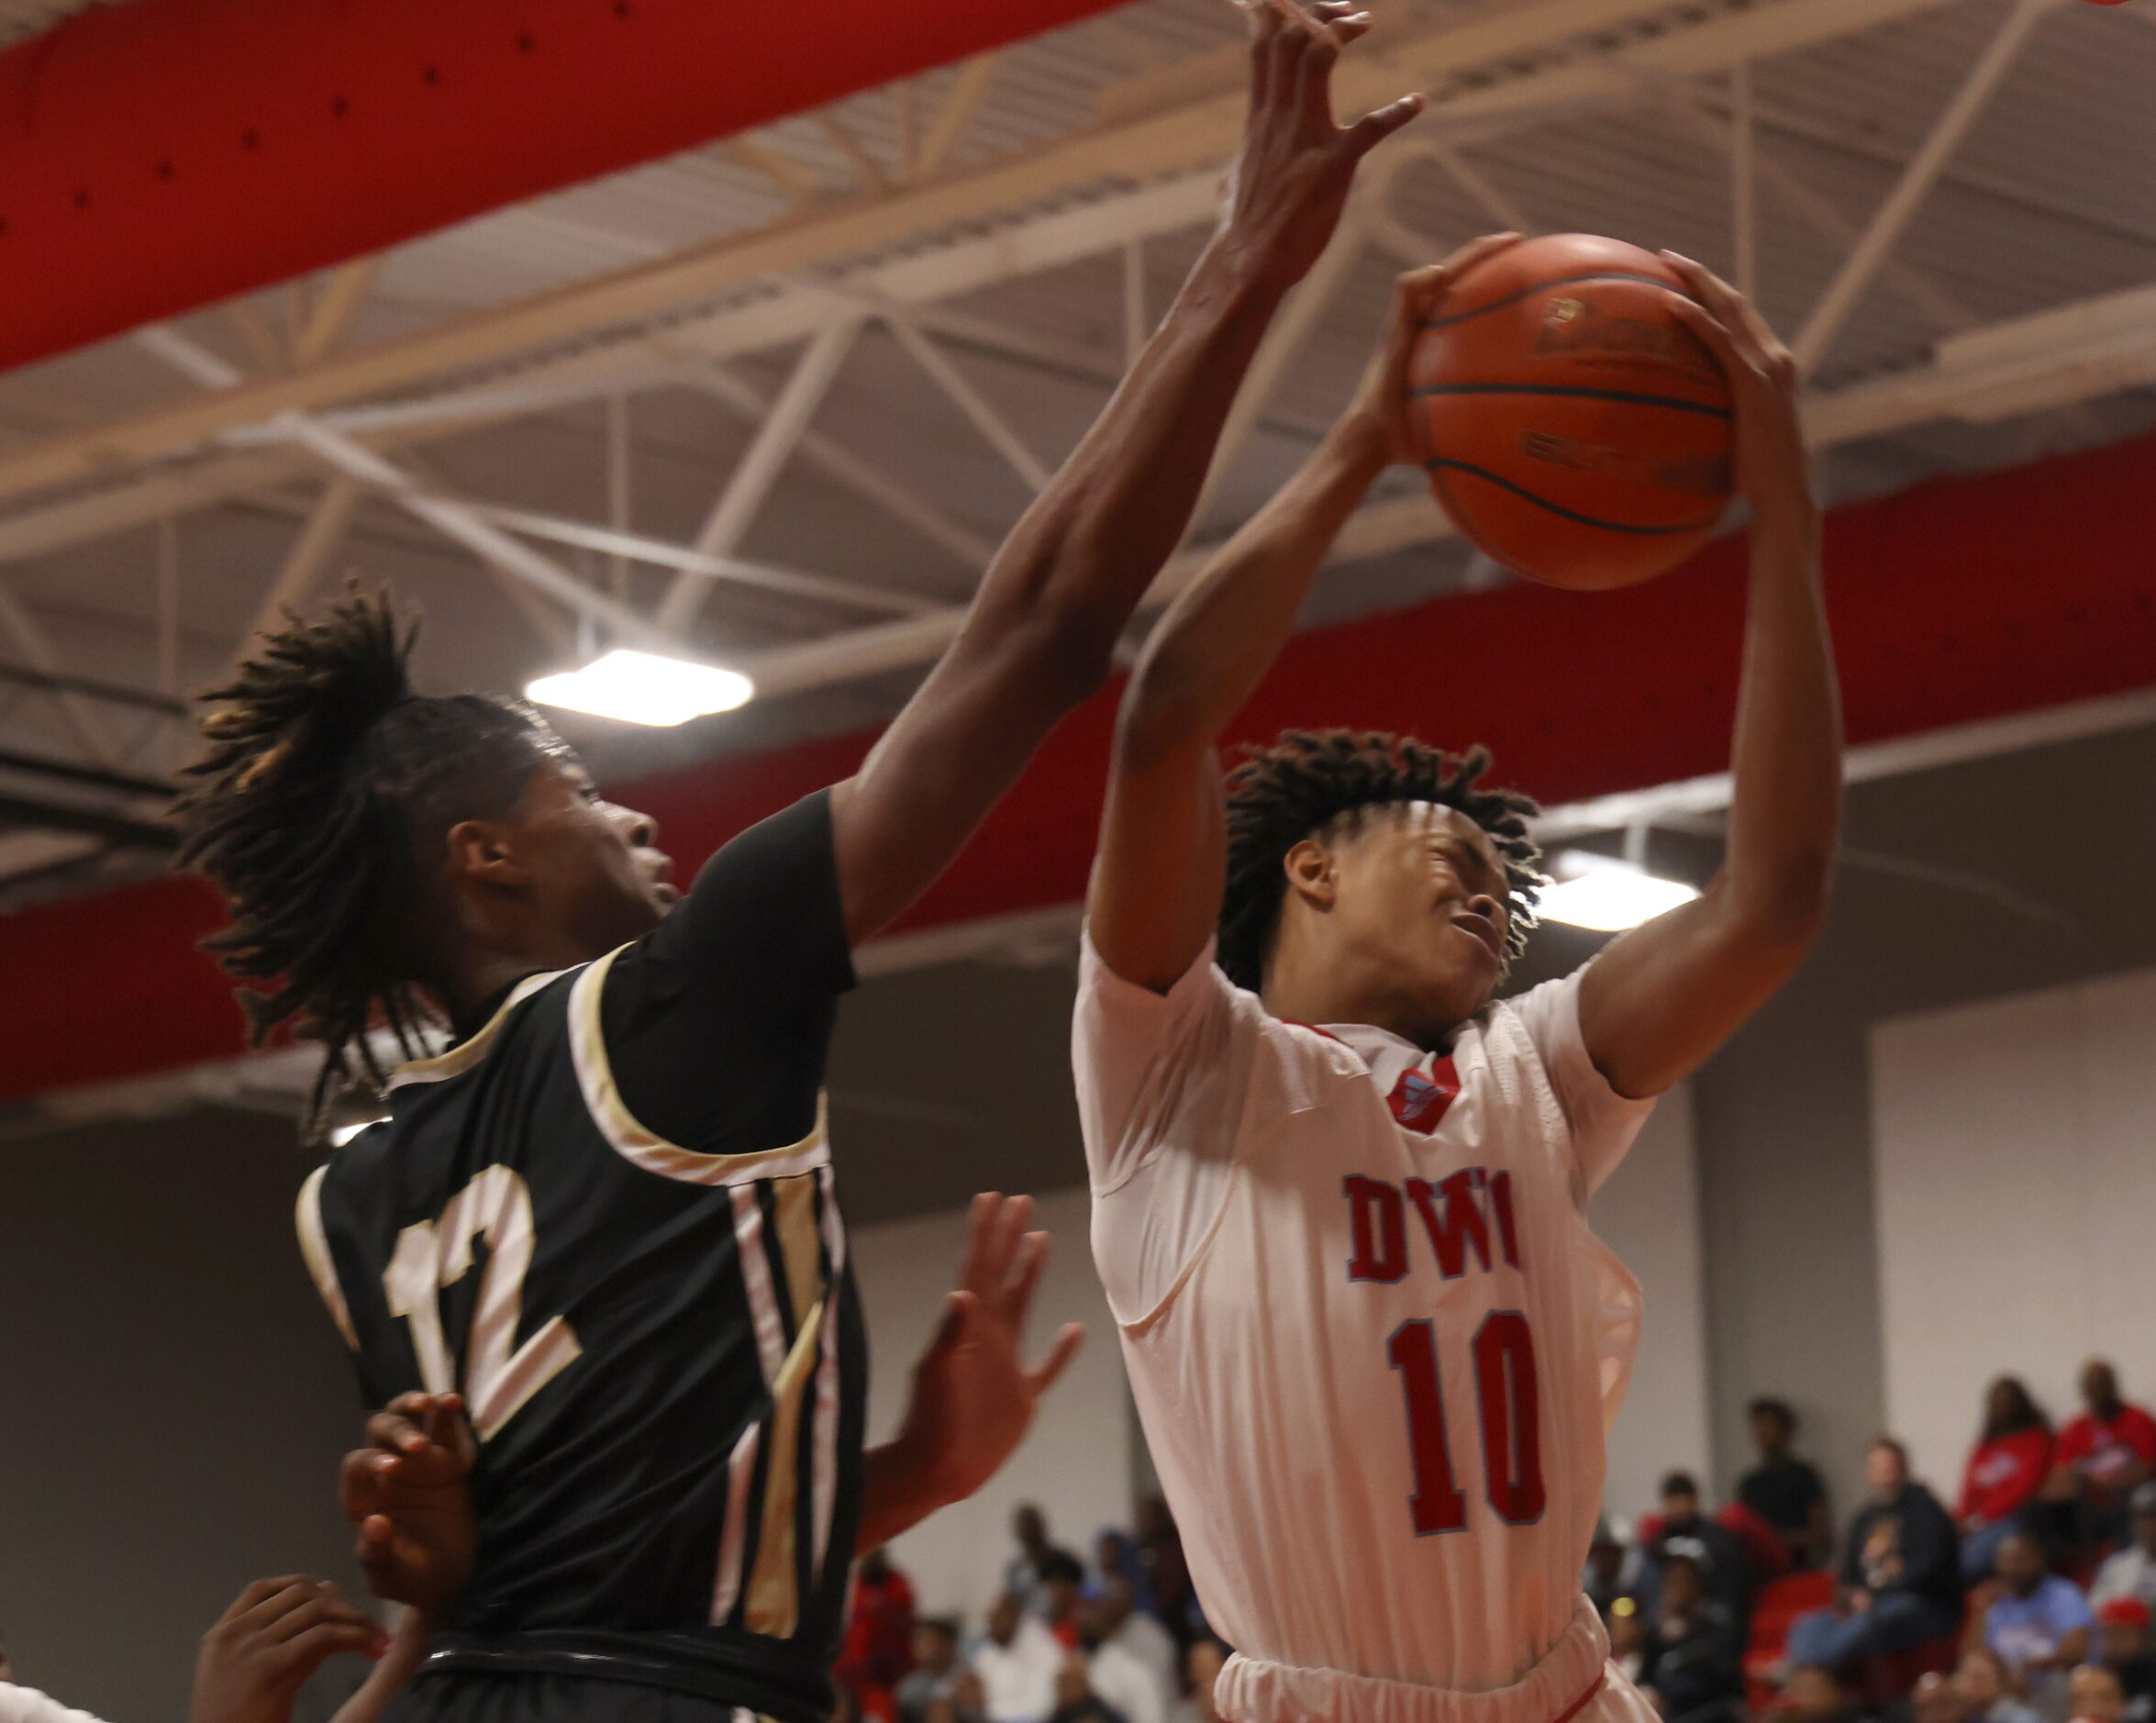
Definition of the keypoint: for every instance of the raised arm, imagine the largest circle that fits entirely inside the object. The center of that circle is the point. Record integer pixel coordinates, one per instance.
(1662, 999)
(1157, 882)
(1039, 635)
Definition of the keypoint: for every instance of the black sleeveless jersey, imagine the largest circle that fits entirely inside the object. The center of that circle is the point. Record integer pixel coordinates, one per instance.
(607, 1219)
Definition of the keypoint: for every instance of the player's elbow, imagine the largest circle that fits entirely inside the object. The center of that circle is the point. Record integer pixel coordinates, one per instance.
(1784, 908)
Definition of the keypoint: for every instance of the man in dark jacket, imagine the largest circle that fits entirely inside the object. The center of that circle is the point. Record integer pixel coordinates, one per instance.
(1691, 1658)
(1901, 1578)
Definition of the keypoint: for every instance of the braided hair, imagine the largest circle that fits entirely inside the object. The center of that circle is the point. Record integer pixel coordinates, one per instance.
(325, 780)
(1310, 783)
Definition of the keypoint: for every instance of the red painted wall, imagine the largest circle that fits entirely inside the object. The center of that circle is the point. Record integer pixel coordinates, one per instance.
(165, 154)
(1964, 599)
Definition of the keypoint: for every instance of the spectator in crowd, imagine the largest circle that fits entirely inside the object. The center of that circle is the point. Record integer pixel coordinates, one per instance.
(2102, 1456)
(2036, 1622)
(1167, 1575)
(1936, 1699)
(1987, 1690)
(877, 1652)
(1901, 1573)
(1021, 1574)
(1062, 1596)
(1076, 1701)
(1201, 1663)
(1115, 1555)
(1018, 1660)
(2006, 1472)
(1684, 1530)
(1812, 1694)
(937, 1673)
(2093, 1695)
(1603, 1578)
(1784, 1491)
(2124, 1647)
(2132, 1572)
(1137, 1690)
(1691, 1662)
(1118, 1622)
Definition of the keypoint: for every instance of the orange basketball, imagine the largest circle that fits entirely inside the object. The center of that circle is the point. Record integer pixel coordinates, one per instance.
(1571, 427)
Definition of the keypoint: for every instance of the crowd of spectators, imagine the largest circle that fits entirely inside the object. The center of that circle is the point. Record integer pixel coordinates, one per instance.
(2029, 1601)
(1118, 1640)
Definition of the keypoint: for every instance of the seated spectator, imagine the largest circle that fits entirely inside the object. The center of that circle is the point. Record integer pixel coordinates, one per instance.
(1021, 1574)
(1167, 1575)
(2132, 1572)
(1075, 1700)
(1062, 1596)
(1202, 1664)
(1684, 1530)
(2124, 1647)
(2093, 1695)
(1128, 1684)
(937, 1672)
(1603, 1578)
(877, 1652)
(1812, 1694)
(1118, 1622)
(1901, 1574)
(1784, 1491)
(2007, 1470)
(1115, 1556)
(2036, 1622)
(1936, 1699)
(2102, 1456)
(1691, 1662)
(1018, 1660)
(1987, 1690)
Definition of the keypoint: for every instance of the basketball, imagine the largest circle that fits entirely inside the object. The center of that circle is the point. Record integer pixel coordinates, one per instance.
(1571, 427)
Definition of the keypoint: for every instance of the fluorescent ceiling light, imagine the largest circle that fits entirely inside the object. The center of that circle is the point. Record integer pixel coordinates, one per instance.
(342, 1134)
(1606, 894)
(644, 688)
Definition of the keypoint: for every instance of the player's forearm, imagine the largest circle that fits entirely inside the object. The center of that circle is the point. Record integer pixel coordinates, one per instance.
(901, 1486)
(1785, 810)
(1220, 637)
(1068, 579)
(408, 1645)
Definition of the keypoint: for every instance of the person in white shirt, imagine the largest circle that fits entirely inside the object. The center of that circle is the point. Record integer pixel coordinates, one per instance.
(2132, 1572)
(1340, 1191)
(1018, 1660)
(1130, 1680)
(1116, 1619)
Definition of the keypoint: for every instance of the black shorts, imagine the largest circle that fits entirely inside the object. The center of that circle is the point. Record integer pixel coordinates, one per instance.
(507, 1697)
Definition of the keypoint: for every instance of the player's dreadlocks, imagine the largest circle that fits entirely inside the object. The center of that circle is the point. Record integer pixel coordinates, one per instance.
(1309, 782)
(324, 776)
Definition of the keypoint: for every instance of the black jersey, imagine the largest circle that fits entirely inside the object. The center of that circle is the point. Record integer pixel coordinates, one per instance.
(607, 1218)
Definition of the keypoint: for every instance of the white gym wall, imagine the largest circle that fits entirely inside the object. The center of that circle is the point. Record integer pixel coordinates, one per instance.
(2015, 1154)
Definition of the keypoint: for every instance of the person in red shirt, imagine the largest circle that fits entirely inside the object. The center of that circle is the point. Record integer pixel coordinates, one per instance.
(2006, 1470)
(2102, 1455)
(878, 1651)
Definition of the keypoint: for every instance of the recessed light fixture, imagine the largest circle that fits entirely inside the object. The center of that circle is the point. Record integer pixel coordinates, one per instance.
(644, 688)
(1606, 895)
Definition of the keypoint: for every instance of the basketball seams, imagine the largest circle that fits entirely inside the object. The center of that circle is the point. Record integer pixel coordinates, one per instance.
(1578, 392)
(1664, 283)
(1439, 465)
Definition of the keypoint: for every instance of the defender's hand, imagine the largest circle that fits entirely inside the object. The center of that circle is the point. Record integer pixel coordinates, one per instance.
(973, 1395)
(275, 1635)
(1292, 181)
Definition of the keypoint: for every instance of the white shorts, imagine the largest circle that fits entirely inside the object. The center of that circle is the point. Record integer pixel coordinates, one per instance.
(1576, 1683)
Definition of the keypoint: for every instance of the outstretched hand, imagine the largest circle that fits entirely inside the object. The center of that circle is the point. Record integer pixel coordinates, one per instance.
(1381, 405)
(1772, 466)
(263, 1650)
(974, 1395)
(1297, 164)
(407, 1494)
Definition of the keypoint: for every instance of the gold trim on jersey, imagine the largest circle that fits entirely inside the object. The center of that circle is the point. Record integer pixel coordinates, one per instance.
(646, 1149)
(313, 1245)
(474, 1047)
(774, 1591)
(794, 1203)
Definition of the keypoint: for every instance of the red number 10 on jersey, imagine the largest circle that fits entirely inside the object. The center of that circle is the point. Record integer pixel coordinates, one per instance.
(1504, 1354)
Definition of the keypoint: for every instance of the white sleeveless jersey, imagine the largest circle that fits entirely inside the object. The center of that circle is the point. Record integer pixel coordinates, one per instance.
(1374, 1345)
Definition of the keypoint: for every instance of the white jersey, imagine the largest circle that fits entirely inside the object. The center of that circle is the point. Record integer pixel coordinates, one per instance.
(1376, 1347)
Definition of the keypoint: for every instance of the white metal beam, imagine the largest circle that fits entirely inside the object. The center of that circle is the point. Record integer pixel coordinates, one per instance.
(968, 91)
(752, 480)
(320, 538)
(79, 715)
(334, 308)
(1480, 65)
(1901, 204)
(979, 411)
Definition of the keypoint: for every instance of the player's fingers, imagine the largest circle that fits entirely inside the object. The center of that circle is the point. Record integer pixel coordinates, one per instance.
(1716, 336)
(959, 1311)
(396, 1432)
(1372, 130)
(288, 1595)
(297, 1659)
(1475, 252)
(1027, 1264)
(978, 1272)
(1068, 1338)
(1265, 26)
(1012, 1224)
(450, 1428)
(324, 1608)
(1730, 308)
(256, 1594)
